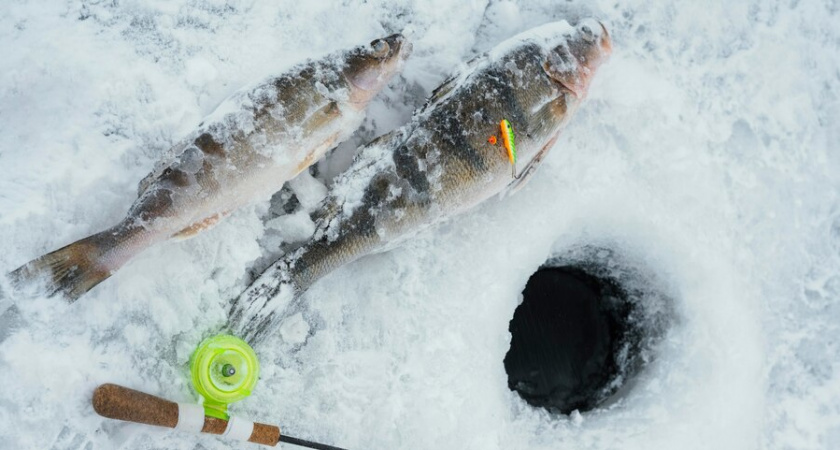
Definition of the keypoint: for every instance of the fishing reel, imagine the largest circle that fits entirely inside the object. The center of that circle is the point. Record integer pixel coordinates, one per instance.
(224, 369)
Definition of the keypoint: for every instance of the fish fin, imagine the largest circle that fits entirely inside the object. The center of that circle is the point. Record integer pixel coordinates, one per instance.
(266, 302)
(72, 270)
(316, 153)
(198, 227)
(384, 140)
(450, 83)
(203, 144)
(525, 176)
(316, 121)
(156, 172)
(441, 91)
(320, 117)
(473, 62)
(544, 121)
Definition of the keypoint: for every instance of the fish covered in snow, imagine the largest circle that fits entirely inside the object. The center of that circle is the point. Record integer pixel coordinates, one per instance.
(440, 163)
(256, 140)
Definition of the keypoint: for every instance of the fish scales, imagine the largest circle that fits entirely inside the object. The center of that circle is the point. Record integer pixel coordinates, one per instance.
(439, 164)
(244, 151)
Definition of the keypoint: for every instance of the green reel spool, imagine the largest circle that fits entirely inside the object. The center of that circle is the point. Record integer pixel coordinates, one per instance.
(224, 370)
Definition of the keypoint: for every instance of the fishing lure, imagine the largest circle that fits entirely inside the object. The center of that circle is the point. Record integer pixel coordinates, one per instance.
(508, 141)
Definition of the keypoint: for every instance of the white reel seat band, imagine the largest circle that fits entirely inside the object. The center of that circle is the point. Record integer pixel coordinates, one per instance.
(190, 417)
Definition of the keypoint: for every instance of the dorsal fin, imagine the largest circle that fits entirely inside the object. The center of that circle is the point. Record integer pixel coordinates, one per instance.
(449, 84)
(441, 91)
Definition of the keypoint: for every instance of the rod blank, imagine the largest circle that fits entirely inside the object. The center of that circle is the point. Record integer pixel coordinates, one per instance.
(121, 403)
(310, 444)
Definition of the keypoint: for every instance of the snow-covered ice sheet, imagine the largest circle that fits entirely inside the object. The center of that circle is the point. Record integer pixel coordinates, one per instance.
(707, 152)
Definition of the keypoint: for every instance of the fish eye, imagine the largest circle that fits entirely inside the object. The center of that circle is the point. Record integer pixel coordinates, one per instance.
(380, 48)
(588, 34)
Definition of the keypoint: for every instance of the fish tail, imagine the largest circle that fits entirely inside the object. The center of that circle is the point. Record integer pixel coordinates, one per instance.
(276, 293)
(261, 307)
(77, 268)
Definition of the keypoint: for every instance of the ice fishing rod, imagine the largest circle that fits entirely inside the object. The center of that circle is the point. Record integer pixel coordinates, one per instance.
(224, 369)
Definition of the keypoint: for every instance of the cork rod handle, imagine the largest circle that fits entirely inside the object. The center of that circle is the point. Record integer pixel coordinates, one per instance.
(121, 403)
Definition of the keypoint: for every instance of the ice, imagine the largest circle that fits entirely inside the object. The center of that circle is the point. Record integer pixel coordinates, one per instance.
(294, 329)
(706, 153)
(292, 227)
(308, 190)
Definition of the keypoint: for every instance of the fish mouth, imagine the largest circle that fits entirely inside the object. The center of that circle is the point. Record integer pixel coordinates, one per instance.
(399, 47)
(572, 71)
(384, 58)
(404, 46)
(606, 41)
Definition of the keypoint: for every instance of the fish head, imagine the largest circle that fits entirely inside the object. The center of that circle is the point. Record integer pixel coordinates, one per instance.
(547, 71)
(369, 68)
(575, 56)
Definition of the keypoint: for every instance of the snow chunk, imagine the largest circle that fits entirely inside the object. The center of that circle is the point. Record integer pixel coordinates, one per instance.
(294, 329)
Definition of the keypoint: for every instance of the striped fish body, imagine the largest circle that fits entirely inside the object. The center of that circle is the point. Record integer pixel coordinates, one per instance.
(254, 142)
(438, 165)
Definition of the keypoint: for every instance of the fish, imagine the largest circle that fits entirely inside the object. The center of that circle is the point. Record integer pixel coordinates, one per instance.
(244, 151)
(439, 164)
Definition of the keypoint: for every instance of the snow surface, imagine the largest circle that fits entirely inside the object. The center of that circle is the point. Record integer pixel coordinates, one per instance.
(706, 152)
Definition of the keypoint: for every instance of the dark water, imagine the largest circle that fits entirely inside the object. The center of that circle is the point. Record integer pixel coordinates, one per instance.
(565, 339)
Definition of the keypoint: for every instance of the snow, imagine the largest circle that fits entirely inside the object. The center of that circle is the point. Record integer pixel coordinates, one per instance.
(706, 153)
